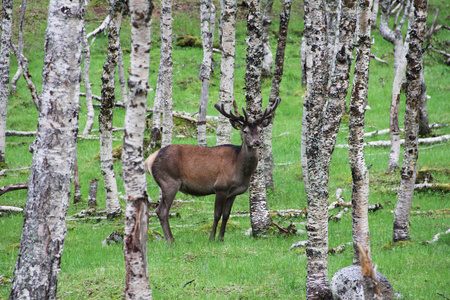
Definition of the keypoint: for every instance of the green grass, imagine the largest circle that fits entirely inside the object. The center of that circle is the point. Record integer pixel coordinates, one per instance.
(241, 267)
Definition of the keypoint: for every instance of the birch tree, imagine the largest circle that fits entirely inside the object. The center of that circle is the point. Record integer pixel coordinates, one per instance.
(207, 19)
(105, 118)
(317, 285)
(275, 90)
(4, 72)
(259, 210)
(360, 172)
(395, 37)
(322, 114)
(267, 62)
(227, 31)
(136, 213)
(44, 230)
(413, 94)
(163, 97)
(19, 72)
(87, 84)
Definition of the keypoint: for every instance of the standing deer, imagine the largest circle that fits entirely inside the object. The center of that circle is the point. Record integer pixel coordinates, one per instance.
(222, 170)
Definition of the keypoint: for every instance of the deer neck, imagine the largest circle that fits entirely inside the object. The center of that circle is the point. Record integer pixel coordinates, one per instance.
(248, 158)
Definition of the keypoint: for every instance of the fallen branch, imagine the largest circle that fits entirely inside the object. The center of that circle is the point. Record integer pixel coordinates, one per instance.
(11, 209)
(339, 203)
(444, 211)
(386, 131)
(20, 133)
(299, 244)
(436, 237)
(290, 230)
(339, 249)
(443, 187)
(378, 132)
(375, 207)
(101, 28)
(2, 172)
(424, 141)
(13, 187)
(289, 213)
(338, 217)
(372, 56)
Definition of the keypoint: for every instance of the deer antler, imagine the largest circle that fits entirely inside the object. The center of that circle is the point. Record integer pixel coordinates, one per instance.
(235, 117)
(268, 111)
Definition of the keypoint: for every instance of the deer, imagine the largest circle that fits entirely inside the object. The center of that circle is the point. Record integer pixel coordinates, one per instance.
(223, 170)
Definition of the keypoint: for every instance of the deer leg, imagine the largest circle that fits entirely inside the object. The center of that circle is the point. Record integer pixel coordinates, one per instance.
(225, 216)
(163, 212)
(218, 208)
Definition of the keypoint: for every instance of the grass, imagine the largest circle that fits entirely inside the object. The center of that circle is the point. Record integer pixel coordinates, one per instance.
(241, 267)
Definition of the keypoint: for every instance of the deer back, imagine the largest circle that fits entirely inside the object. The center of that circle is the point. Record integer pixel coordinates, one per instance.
(201, 170)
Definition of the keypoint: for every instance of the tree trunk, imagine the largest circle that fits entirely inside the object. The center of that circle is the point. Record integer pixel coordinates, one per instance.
(340, 76)
(373, 19)
(105, 118)
(267, 61)
(44, 230)
(207, 18)
(87, 84)
(122, 79)
(165, 75)
(360, 172)
(332, 13)
(92, 197)
(275, 90)
(259, 210)
(424, 121)
(395, 37)
(228, 44)
(19, 72)
(4, 72)
(413, 95)
(76, 181)
(317, 285)
(136, 214)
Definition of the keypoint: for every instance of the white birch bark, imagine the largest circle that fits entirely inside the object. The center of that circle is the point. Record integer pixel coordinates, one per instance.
(340, 76)
(373, 19)
(395, 37)
(267, 62)
(105, 118)
(228, 44)
(332, 31)
(136, 213)
(275, 90)
(413, 95)
(321, 118)
(207, 19)
(122, 79)
(44, 230)
(317, 285)
(259, 210)
(19, 72)
(360, 172)
(163, 97)
(5, 58)
(87, 84)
